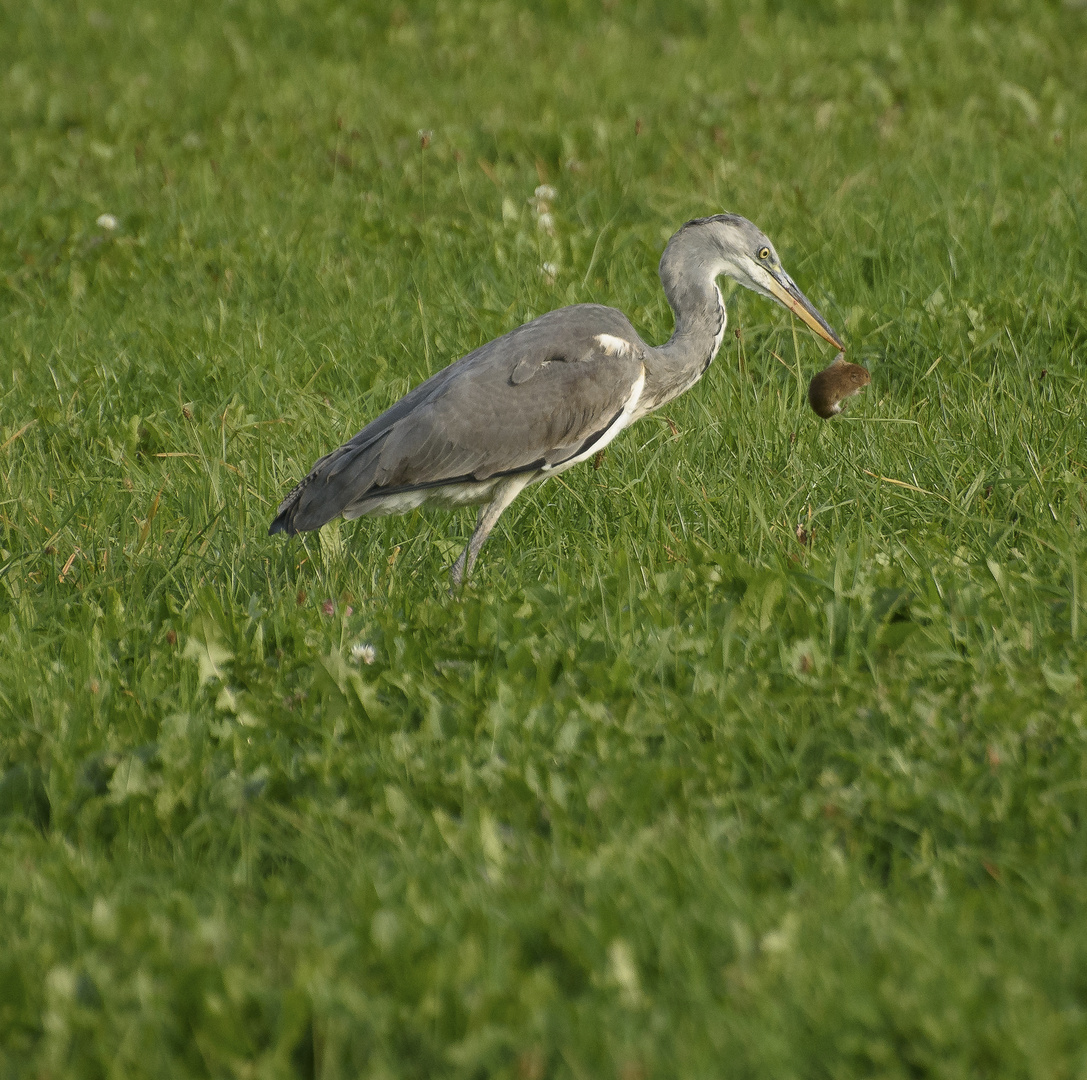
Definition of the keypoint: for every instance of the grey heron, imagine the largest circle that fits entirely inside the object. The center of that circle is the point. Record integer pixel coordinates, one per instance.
(543, 397)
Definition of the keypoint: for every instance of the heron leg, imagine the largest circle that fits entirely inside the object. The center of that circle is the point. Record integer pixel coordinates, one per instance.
(503, 495)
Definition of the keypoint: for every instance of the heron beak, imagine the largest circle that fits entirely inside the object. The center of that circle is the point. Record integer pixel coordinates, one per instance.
(788, 295)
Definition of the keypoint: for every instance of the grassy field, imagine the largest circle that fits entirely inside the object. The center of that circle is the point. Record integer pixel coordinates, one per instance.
(760, 751)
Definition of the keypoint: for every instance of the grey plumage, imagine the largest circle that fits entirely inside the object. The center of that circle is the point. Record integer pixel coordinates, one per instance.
(543, 397)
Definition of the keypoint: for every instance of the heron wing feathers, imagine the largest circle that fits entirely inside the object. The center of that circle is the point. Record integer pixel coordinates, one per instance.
(528, 399)
(479, 429)
(532, 398)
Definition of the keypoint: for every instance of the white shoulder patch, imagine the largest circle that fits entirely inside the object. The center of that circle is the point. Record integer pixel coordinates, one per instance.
(614, 346)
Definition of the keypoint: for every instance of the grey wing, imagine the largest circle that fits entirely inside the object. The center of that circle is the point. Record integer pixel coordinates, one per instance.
(532, 399)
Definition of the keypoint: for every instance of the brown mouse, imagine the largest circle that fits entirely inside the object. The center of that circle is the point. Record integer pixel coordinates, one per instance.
(830, 388)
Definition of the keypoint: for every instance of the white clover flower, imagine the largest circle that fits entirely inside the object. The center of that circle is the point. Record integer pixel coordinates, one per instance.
(106, 221)
(541, 201)
(363, 652)
(549, 271)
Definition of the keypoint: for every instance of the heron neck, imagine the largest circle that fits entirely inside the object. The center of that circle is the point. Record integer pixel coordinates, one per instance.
(699, 327)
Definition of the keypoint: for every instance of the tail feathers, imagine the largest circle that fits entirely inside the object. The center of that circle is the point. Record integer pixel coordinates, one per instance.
(336, 481)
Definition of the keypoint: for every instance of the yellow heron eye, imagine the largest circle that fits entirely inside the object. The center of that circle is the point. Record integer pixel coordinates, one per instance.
(764, 253)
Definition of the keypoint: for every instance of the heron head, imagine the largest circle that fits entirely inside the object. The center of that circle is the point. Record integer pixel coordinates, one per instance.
(745, 253)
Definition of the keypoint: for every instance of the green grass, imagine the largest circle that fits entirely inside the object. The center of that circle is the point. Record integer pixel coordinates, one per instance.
(667, 792)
